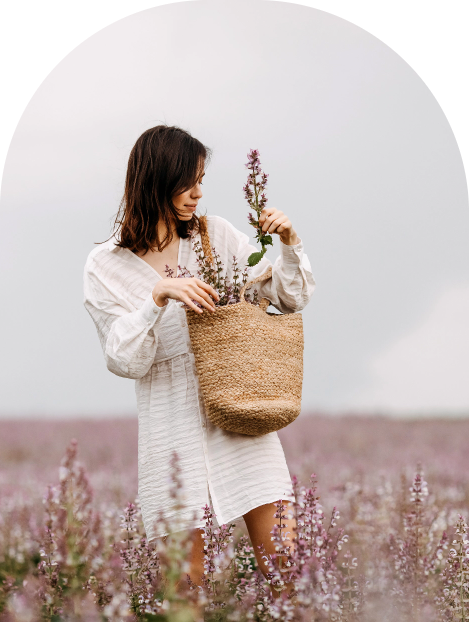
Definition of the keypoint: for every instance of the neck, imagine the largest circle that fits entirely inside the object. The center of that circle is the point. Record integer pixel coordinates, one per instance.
(162, 230)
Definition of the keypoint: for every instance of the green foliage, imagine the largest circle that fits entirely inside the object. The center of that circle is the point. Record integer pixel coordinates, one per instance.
(255, 258)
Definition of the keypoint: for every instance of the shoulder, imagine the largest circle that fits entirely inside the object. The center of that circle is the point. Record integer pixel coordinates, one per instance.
(102, 254)
(216, 222)
(222, 229)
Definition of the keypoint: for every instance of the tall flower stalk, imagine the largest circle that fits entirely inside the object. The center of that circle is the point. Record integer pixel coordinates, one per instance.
(283, 565)
(72, 541)
(254, 193)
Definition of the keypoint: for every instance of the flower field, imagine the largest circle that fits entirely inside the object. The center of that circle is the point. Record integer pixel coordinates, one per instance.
(382, 510)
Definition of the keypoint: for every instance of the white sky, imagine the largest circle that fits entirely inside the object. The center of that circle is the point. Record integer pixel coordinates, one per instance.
(360, 155)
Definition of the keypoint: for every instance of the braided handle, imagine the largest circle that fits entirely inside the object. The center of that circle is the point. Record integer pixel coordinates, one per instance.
(265, 302)
(206, 246)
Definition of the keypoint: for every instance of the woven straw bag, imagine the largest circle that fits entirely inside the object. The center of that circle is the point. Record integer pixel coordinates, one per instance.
(249, 361)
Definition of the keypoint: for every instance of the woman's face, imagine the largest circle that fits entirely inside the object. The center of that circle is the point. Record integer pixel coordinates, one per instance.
(186, 202)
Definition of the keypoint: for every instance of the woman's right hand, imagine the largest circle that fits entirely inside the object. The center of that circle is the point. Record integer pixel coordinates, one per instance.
(187, 290)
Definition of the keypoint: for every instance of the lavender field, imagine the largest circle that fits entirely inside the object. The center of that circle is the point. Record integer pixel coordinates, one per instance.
(381, 528)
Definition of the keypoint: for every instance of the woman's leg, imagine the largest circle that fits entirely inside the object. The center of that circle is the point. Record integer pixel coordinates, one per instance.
(196, 570)
(196, 557)
(260, 522)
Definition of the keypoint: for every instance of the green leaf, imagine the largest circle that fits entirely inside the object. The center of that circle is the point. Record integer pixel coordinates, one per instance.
(254, 259)
(267, 239)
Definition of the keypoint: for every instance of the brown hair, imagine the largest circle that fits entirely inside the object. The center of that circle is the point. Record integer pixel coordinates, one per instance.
(164, 162)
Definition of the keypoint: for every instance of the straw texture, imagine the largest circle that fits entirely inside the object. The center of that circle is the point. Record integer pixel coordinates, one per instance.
(249, 361)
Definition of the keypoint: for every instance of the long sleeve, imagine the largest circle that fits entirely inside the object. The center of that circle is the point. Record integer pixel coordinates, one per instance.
(128, 336)
(292, 283)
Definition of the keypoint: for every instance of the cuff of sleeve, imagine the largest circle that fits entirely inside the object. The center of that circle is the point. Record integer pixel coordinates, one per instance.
(149, 312)
(291, 253)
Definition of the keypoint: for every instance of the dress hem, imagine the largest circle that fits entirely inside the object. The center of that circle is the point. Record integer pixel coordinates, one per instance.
(226, 522)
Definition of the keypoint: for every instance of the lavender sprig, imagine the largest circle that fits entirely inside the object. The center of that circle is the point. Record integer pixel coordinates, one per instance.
(229, 292)
(254, 193)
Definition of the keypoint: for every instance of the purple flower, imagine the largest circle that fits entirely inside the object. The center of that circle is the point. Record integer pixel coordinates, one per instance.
(257, 200)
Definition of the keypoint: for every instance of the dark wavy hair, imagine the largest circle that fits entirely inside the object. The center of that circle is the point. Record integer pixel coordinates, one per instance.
(165, 161)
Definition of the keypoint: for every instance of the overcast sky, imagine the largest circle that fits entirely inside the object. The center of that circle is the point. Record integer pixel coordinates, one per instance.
(360, 156)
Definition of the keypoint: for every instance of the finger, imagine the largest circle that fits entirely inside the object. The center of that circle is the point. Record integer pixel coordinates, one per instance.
(271, 219)
(277, 222)
(265, 212)
(189, 302)
(197, 290)
(209, 305)
(209, 289)
(283, 227)
(269, 222)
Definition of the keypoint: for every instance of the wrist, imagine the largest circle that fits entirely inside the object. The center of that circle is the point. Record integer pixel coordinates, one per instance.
(161, 302)
(160, 299)
(290, 239)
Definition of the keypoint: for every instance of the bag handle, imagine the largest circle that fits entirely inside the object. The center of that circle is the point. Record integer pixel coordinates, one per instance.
(265, 302)
(206, 247)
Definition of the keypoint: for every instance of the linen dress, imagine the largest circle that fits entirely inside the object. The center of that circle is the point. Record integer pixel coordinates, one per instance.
(151, 345)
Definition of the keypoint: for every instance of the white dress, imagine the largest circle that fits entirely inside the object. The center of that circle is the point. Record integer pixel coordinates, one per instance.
(151, 344)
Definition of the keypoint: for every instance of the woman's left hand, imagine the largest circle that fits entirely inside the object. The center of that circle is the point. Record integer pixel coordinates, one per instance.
(273, 220)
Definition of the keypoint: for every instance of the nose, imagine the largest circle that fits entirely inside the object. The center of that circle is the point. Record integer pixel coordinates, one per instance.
(196, 192)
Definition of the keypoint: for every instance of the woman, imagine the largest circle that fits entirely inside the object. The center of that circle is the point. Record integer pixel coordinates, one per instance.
(144, 335)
